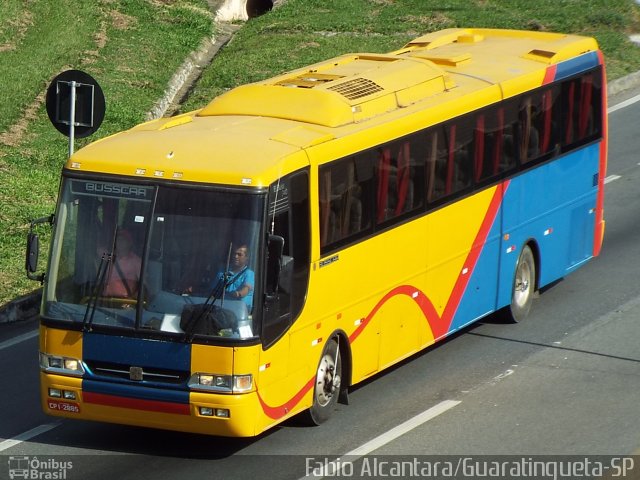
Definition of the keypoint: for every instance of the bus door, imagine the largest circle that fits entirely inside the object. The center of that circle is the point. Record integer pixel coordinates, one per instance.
(283, 373)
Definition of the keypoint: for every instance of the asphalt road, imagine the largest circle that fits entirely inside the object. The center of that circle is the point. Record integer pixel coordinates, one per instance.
(564, 382)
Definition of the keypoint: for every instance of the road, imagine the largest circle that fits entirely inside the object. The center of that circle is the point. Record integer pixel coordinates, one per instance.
(564, 382)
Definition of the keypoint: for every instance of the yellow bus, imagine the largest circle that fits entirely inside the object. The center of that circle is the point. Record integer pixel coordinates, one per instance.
(226, 269)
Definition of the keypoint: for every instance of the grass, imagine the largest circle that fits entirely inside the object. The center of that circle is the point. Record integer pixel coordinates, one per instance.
(132, 47)
(301, 32)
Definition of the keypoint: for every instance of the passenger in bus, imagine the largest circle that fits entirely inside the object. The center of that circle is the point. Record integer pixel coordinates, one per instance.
(240, 278)
(123, 275)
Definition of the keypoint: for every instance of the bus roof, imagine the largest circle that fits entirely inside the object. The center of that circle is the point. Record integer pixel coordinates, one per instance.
(244, 136)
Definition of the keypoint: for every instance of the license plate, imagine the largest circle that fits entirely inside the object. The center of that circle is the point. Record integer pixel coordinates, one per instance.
(60, 406)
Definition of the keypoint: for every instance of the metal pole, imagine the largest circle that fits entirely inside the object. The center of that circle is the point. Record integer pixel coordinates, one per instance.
(72, 117)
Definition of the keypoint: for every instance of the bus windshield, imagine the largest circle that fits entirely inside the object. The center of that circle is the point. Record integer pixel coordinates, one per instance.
(163, 259)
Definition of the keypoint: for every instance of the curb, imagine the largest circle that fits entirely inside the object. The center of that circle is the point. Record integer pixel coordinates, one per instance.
(621, 84)
(26, 307)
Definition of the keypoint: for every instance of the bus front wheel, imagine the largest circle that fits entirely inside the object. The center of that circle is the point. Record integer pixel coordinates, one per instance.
(523, 286)
(327, 384)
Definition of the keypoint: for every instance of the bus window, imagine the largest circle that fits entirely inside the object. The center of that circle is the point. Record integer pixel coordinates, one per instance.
(528, 135)
(510, 152)
(460, 160)
(396, 172)
(344, 207)
(546, 122)
(436, 164)
(589, 106)
(581, 109)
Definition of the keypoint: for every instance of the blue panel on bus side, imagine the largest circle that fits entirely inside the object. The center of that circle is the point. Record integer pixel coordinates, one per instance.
(479, 297)
(553, 204)
(137, 352)
(577, 65)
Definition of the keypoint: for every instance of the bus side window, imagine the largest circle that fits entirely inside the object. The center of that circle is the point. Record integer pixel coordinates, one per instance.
(528, 135)
(344, 188)
(460, 161)
(449, 159)
(586, 116)
(489, 140)
(510, 153)
(581, 109)
(395, 171)
(437, 155)
(546, 122)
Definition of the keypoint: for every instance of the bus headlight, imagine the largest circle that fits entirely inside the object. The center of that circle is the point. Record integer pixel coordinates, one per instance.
(211, 382)
(61, 365)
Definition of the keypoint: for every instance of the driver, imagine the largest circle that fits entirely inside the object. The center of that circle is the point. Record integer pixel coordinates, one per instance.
(240, 276)
(123, 276)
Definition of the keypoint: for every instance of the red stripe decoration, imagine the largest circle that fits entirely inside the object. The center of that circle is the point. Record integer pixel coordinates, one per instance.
(550, 74)
(136, 403)
(281, 410)
(470, 263)
(439, 324)
(599, 232)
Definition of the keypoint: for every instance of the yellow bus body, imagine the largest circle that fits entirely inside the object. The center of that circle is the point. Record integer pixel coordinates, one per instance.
(387, 297)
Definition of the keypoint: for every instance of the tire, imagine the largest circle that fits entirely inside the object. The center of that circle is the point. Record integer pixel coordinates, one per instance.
(523, 288)
(327, 385)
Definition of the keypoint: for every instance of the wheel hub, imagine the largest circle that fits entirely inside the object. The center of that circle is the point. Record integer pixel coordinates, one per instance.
(328, 381)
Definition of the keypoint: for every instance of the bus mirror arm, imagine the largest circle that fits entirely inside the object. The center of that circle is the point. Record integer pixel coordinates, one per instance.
(33, 249)
(275, 247)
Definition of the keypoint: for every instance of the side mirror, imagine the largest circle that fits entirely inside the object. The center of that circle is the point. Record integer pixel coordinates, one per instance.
(275, 247)
(33, 249)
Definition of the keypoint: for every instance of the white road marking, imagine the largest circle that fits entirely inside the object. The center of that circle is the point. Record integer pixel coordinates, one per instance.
(611, 178)
(23, 437)
(624, 104)
(332, 468)
(18, 339)
(610, 110)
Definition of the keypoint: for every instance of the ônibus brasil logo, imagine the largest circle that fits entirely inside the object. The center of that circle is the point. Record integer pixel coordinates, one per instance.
(37, 469)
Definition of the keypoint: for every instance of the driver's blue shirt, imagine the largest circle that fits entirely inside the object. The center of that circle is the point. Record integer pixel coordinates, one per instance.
(246, 277)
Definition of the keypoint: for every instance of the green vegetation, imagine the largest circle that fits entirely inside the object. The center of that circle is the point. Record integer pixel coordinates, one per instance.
(133, 47)
(301, 32)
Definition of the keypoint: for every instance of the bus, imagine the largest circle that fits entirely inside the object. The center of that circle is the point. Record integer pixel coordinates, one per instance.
(229, 268)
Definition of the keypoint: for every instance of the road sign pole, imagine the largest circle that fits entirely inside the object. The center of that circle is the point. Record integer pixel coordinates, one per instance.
(72, 117)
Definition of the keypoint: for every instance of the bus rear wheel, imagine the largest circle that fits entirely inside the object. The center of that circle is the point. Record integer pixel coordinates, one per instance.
(523, 287)
(327, 384)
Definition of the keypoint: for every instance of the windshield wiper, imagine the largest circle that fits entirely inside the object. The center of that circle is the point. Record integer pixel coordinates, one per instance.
(101, 277)
(218, 292)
